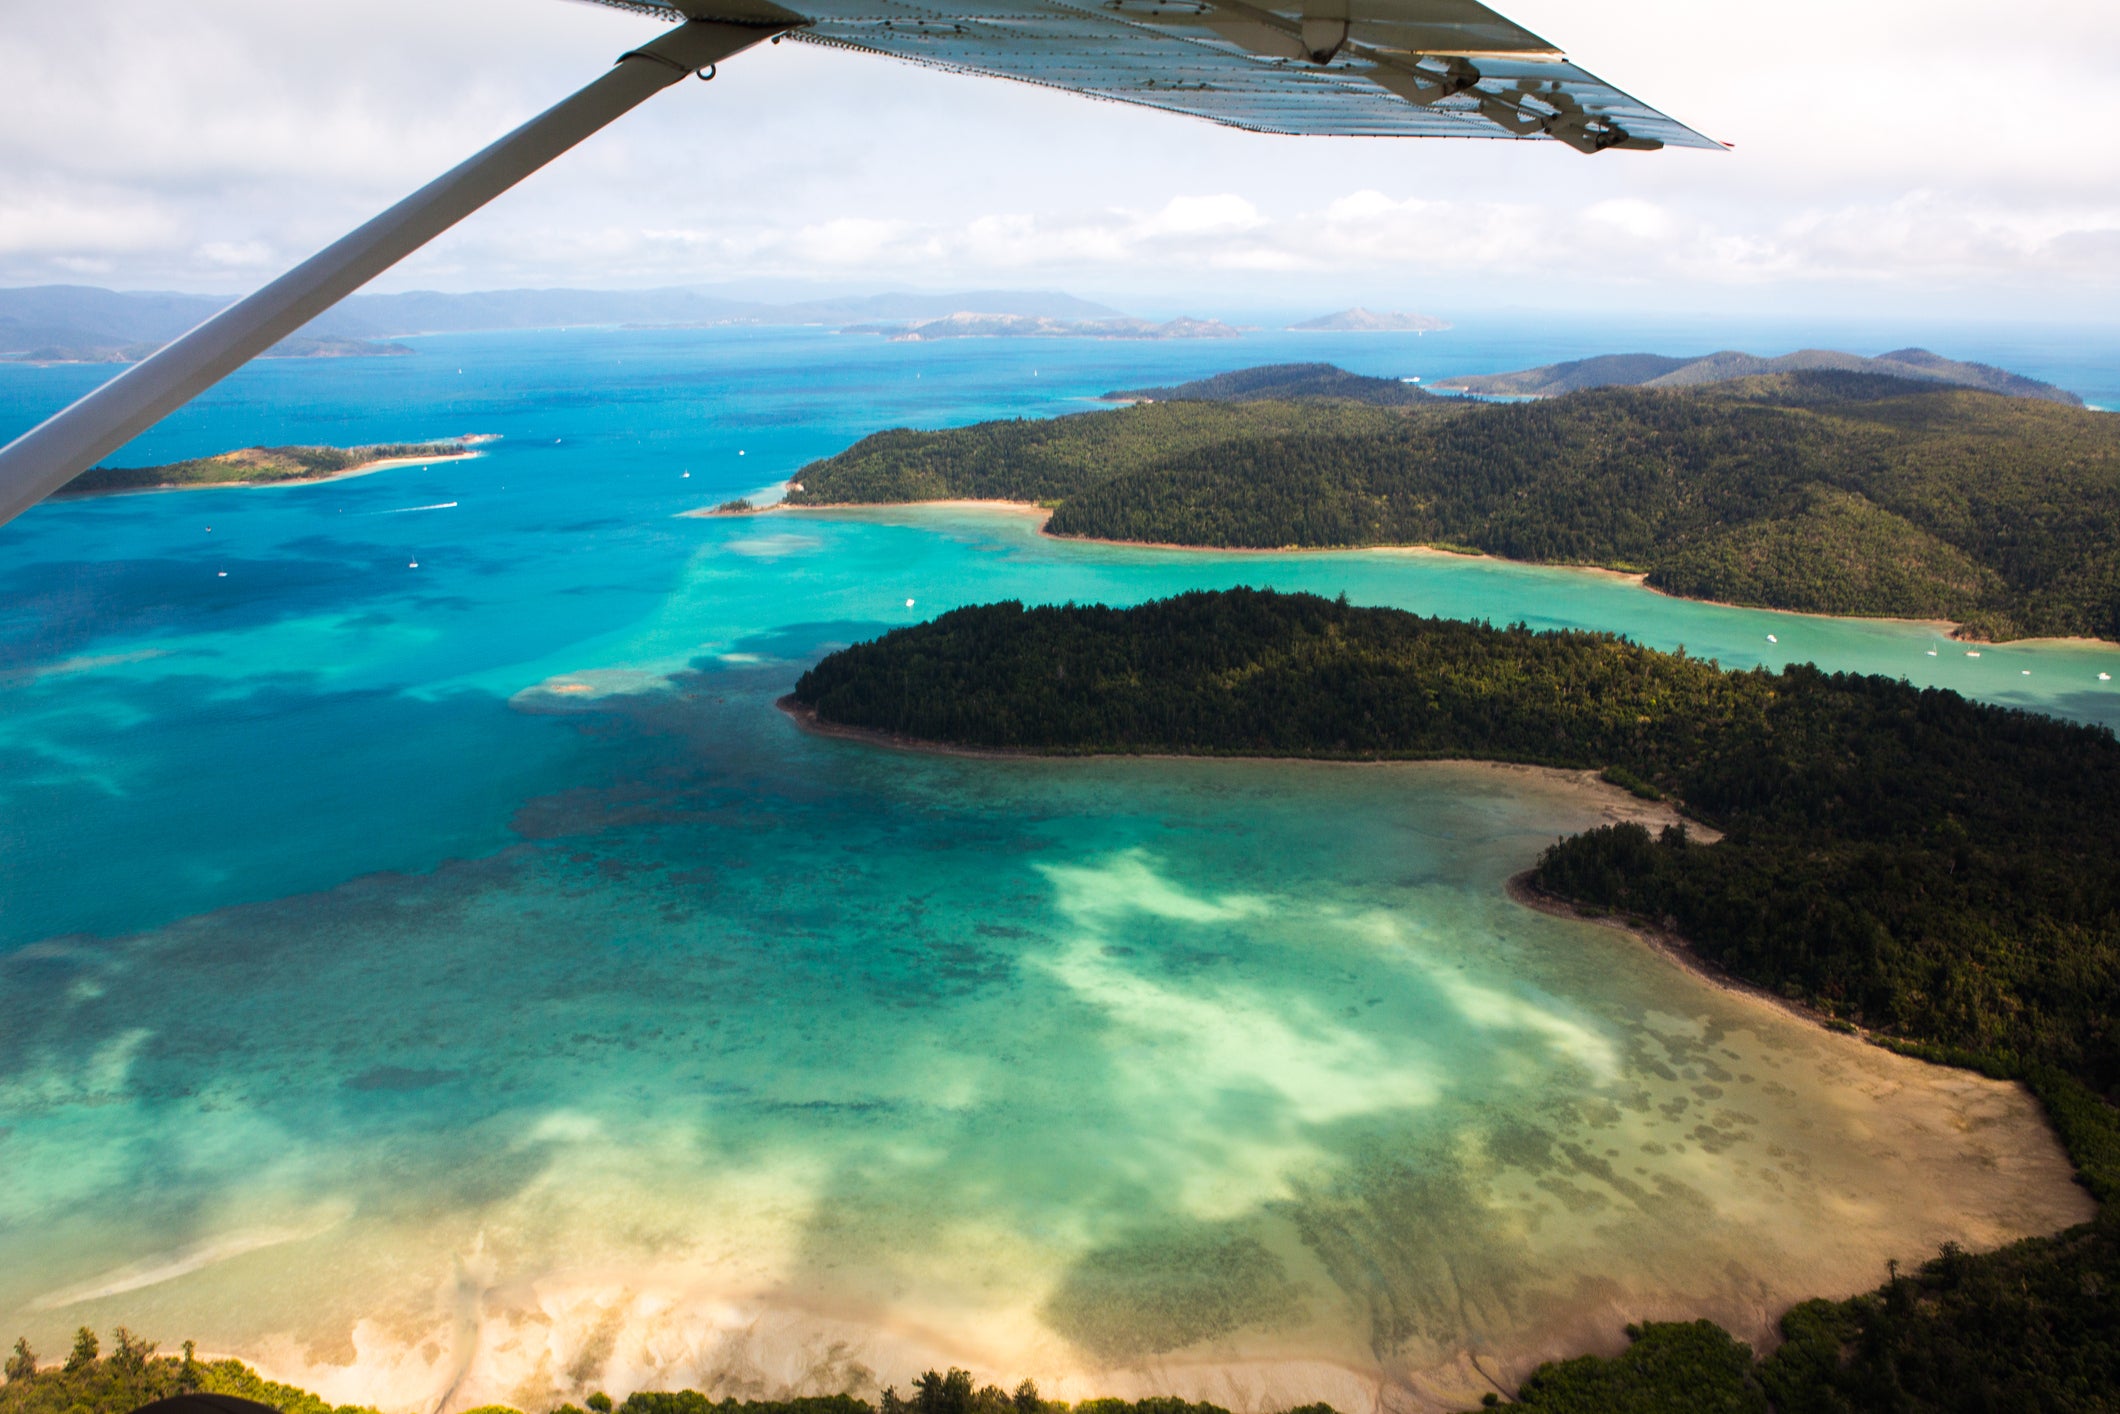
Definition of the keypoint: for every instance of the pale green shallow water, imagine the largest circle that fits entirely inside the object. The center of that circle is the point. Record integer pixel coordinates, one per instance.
(772, 1060)
(459, 984)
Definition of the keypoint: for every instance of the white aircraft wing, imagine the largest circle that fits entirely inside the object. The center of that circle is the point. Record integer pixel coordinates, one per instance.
(1353, 68)
(1350, 68)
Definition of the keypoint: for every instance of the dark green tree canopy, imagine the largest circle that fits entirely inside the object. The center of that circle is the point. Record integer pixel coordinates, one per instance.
(1827, 492)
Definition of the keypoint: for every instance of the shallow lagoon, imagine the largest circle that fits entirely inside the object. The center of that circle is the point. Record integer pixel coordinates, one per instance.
(802, 1063)
(461, 984)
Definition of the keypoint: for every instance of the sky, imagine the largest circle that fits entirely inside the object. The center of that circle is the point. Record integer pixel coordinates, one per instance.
(1891, 156)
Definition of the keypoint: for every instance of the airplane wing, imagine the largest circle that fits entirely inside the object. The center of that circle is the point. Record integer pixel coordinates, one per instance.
(1348, 68)
(1353, 68)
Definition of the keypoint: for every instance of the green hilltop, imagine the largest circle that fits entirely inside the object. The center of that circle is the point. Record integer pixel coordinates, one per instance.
(1645, 370)
(1819, 491)
(1282, 382)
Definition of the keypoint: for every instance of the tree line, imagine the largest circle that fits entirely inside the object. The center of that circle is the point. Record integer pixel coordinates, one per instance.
(1939, 871)
(1826, 492)
(89, 1382)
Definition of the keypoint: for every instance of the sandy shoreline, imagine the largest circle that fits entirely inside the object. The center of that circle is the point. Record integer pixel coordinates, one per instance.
(1043, 513)
(960, 503)
(1947, 627)
(1614, 804)
(1670, 947)
(538, 1296)
(380, 464)
(2032, 1149)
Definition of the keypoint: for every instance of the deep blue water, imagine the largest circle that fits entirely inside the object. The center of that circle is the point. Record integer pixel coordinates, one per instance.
(408, 889)
(314, 708)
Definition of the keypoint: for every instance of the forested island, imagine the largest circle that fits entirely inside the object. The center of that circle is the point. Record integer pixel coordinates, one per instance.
(1647, 370)
(292, 347)
(1282, 382)
(1367, 321)
(263, 466)
(1822, 491)
(1935, 871)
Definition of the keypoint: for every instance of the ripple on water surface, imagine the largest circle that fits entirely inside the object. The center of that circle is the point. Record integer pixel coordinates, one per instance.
(412, 994)
(794, 1061)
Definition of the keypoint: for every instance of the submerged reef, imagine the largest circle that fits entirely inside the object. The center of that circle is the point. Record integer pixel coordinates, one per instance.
(1932, 870)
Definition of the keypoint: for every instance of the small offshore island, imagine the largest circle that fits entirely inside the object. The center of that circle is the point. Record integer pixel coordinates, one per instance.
(268, 466)
(1821, 490)
(1935, 871)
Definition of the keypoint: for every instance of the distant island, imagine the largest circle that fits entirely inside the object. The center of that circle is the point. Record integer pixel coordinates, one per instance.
(1363, 321)
(296, 347)
(82, 320)
(1642, 370)
(266, 466)
(1823, 492)
(1934, 870)
(969, 325)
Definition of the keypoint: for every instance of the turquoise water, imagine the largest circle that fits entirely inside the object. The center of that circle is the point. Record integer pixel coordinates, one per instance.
(457, 982)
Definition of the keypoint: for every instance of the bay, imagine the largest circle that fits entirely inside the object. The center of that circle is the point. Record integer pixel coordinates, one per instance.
(441, 975)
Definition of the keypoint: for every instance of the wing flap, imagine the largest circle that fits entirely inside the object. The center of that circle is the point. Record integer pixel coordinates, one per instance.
(1348, 68)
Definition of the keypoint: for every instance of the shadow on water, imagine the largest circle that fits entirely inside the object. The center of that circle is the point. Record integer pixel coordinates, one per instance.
(55, 609)
(283, 787)
(1164, 1056)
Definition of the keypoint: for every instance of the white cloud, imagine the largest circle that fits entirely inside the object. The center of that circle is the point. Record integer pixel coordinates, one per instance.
(1644, 220)
(237, 255)
(1204, 216)
(80, 224)
(1893, 150)
(851, 241)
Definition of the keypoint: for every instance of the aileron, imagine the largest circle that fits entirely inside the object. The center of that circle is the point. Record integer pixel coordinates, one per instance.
(1369, 68)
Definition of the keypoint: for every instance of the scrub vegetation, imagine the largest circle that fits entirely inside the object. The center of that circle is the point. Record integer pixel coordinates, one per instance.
(1823, 491)
(254, 466)
(1938, 871)
(133, 1375)
(1282, 382)
(90, 1381)
(1049, 459)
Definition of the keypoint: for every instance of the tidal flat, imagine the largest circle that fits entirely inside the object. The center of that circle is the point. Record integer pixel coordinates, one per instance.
(428, 1036)
(823, 1064)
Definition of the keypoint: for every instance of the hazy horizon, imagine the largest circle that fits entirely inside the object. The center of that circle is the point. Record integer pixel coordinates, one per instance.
(212, 148)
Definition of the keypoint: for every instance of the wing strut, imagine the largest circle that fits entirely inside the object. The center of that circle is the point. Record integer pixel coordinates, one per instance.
(57, 450)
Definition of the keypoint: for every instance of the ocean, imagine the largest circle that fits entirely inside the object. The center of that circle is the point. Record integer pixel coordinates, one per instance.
(436, 972)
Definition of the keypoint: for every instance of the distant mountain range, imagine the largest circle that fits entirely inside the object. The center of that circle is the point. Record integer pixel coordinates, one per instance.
(966, 324)
(83, 324)
(1362, 321)
(1645, 370)
(1280, 382)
